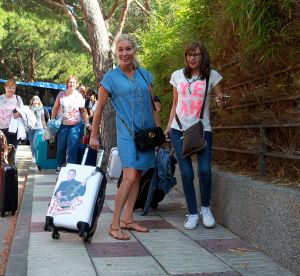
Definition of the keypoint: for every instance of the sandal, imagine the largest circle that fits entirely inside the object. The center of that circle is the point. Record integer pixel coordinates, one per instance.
(124, 236)
(134, 226)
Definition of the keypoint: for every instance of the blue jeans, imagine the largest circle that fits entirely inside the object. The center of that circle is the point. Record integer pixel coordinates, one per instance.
(32, 135)
(68, 141)
(187, 172)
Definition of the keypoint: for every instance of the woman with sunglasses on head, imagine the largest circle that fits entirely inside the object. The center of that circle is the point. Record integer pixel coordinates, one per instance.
(70, 105)
(8, 104)
(37, 108)
(189, 85)
(130, 90)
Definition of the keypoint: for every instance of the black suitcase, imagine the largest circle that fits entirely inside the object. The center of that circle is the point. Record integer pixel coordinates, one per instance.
(158, 195)
(8, 189)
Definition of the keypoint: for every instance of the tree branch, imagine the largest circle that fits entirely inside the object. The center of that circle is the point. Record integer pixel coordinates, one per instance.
(112, 11)
(121, 23)
(77, 33)
(144, 9)
(5, 67)
(32, 65)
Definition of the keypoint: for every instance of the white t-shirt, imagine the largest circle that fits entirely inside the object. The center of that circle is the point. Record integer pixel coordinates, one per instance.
(190, 98)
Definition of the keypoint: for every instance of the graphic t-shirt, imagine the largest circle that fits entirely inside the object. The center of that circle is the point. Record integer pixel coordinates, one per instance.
(70, 107)
(7, 105)
(190, 98)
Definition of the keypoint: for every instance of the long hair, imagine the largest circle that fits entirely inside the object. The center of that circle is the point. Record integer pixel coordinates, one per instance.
(31, 101)
(131, 40)
(204, 66)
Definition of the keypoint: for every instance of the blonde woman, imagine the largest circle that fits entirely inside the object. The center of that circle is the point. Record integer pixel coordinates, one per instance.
(130, 90)
(70, 104)
(36, 106)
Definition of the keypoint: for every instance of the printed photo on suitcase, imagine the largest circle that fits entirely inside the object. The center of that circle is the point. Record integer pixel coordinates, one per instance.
(77, 199)
(114, 166)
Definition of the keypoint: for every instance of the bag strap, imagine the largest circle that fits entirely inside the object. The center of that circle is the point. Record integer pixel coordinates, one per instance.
(202, 108)
(148, 87)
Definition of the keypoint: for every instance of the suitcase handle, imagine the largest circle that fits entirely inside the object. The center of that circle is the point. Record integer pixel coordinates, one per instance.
(100, 154)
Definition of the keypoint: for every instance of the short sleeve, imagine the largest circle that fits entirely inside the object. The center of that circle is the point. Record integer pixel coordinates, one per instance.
(106, 82)
(173, 79)
(214, 78)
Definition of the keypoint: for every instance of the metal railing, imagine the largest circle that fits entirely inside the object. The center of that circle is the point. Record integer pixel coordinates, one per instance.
(263, 151)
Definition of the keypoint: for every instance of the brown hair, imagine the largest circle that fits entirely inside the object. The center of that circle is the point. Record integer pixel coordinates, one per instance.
(71, 77)
(10, 82)
(204, 66)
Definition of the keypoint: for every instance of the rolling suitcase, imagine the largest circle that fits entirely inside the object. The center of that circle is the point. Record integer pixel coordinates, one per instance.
(114, 167)
(45, 154)
(77, 199)
(8, 189)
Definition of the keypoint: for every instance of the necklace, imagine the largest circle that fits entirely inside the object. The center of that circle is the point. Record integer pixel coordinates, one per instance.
(191, 82)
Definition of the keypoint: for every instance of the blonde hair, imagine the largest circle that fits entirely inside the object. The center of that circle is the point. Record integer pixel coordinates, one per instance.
(10, 82)
(132, 41)
(71, 77)
(31, 101)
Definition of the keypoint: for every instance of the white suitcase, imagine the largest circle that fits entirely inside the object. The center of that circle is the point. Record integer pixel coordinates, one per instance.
(77, 199)
(114, 167)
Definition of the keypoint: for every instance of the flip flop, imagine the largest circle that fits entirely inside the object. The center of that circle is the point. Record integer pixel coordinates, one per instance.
(131, 226)
(124, 236)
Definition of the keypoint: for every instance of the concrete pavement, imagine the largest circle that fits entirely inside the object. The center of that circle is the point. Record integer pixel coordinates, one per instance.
(168, 249)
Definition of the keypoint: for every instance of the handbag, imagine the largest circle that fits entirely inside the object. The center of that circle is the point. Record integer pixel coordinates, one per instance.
(149, 138)
(7, 151)
(193, 137)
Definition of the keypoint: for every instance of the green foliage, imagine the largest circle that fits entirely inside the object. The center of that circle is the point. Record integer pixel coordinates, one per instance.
(261, 24)
(56, 49)
(172, 26)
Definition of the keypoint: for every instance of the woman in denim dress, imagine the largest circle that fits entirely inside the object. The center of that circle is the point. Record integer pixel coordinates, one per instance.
(130, 91)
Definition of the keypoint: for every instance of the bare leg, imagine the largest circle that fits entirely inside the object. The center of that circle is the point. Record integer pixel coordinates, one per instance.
(129, 223)
(130, 177)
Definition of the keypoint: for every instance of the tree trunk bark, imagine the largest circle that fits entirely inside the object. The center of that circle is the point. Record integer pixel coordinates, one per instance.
(102, 62)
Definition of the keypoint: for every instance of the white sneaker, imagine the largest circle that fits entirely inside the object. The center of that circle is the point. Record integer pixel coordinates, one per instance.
(207, 217)
(191, 222)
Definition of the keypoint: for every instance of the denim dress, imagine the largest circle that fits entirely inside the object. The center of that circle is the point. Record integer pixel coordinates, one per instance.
(131, 100)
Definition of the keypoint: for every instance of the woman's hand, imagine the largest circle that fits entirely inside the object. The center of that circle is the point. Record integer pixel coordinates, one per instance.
(94, 143)
(166, 132)
(16, 115)
(220, 100)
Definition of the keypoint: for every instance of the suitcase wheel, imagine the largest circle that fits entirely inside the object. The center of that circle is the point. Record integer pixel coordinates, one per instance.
(55, 234)
(48, 224)
(86, 238)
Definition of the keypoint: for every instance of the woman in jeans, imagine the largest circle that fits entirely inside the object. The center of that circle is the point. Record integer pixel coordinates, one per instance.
(189, 85)
(37, 108)
(70, 105)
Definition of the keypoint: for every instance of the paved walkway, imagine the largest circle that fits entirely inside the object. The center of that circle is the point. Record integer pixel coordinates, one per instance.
(168, 249)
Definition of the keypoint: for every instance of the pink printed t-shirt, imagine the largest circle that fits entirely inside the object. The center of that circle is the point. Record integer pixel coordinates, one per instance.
(7, 105)
(70, 106)
(190, 98)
